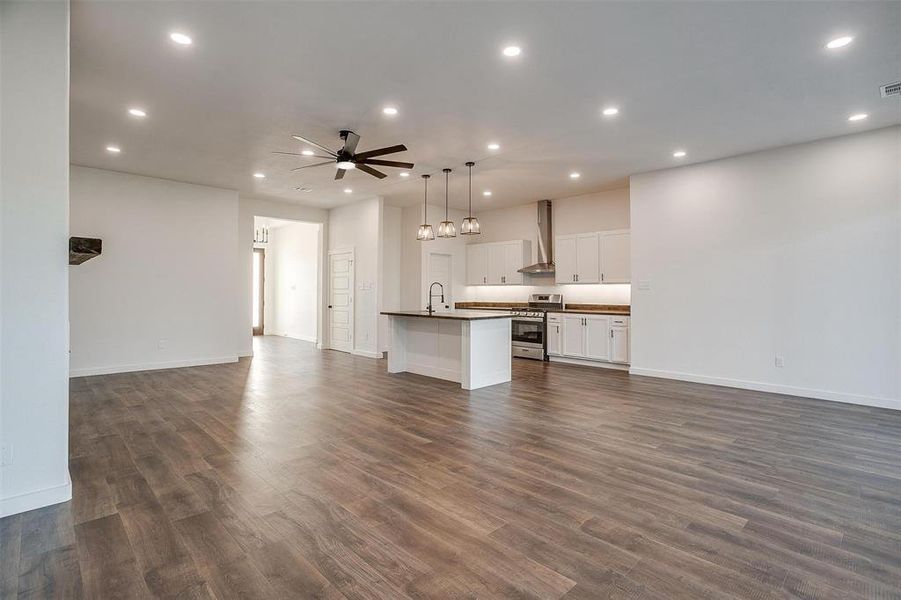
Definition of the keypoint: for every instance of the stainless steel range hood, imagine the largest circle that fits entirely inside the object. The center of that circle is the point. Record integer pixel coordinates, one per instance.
(545, 264)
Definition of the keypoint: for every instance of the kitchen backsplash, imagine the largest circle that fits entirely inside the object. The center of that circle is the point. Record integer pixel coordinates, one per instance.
(593, 294)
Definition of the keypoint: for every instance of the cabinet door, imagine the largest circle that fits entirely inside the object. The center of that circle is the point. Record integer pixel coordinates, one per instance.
(476, 264)
(495, 264)
(573, 340)
(619, 345)
(616, 257)
(565, 258)
(513, 256)
(597, 337)
(588, 255)
(554, 327)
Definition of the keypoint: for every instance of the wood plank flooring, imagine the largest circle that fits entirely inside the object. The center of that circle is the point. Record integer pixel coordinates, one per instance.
(308, 474)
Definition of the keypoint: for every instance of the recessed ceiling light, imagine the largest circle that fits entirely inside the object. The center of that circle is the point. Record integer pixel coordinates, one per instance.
(404, 174)
(511, 51)
(679, 153)
(307, 152)
(390, 111)
(137, 112)
(260, 175)
(840, 42)
(610, 111)
(494, 146)
(486, 193)
(113, 149)
(858, 117)
(180, 38)
(348, 191)
(574, 175)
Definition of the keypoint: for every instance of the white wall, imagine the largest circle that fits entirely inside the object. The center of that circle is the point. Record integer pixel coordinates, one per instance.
(411, 259)
(34, 232)
(248, 207)
(164, 292)
(292, 281)
(390, 257)
(576, 214)
(793, 251)
(358, 226)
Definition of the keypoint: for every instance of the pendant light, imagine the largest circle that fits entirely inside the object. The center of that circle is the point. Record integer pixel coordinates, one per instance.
(446, 229)
(425, 230)
(470, 224)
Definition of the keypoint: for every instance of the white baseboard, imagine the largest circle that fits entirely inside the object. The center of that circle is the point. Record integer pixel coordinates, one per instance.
(20, 503)
(775, 388)
(304, 338)
(589, 363)
(175, 364)
(367, 353)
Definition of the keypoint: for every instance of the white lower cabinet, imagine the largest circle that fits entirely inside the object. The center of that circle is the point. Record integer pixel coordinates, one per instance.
(600, 338)
(554, 325)
(573, 341)
(597, 337)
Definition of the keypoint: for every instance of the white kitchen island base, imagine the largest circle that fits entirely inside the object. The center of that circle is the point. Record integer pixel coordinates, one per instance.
(463, 346)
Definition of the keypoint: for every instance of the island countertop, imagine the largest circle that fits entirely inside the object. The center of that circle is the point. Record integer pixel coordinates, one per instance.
(458, 315)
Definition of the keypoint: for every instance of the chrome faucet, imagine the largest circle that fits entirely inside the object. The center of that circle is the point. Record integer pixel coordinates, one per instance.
(431, 295)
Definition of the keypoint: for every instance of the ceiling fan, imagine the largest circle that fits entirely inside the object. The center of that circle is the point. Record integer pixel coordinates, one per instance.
(347, 158)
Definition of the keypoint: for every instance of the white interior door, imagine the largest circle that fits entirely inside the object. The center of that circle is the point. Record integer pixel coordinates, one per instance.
(341, 300)
(441, 269)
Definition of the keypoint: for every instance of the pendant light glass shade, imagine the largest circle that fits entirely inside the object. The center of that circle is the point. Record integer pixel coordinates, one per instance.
(446, 228)
(425, 232)
(470, 224)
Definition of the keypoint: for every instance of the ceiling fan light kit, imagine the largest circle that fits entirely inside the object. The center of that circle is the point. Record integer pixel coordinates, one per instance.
(446, 229)
(347, 158)
(470, 224)
(425, 232)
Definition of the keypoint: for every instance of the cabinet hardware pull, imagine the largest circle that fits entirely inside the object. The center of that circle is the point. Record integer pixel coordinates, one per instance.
(602, 277)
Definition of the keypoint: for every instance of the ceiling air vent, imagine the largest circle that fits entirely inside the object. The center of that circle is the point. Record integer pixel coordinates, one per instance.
(890, 89)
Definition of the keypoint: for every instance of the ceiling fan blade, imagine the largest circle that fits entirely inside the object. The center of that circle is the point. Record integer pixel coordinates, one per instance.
(314, 165)
(385, 163)
(371, 171)
(300, 154)
(350, 142)
(312, 143)
(340, 174)
(380, 152)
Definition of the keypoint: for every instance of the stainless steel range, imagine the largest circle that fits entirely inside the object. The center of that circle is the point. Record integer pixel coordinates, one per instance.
(530, 326)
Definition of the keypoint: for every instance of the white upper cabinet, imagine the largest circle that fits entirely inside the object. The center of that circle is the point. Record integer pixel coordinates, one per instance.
(616, 256)
(577, 258)
(476, 264)
(565, 259)
(497, 263)
(600, 257)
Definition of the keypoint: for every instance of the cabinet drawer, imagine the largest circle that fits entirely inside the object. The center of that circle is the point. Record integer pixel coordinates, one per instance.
(619, 321)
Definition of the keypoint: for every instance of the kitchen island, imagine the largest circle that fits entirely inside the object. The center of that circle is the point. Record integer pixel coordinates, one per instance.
(470, 347)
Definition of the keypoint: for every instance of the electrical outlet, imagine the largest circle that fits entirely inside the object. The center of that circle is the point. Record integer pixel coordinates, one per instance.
(161, 344)
(780, 361)
(6, 455)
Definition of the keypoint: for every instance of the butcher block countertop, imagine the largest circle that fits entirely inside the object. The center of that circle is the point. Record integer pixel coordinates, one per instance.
(458, 315)
(623, 310)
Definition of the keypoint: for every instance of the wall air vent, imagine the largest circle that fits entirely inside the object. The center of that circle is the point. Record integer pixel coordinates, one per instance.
(890, 89)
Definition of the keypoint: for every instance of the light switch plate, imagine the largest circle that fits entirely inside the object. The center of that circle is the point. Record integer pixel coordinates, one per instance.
(644, 284)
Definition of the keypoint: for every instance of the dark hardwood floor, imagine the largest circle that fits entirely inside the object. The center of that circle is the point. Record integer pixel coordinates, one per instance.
(307, 474)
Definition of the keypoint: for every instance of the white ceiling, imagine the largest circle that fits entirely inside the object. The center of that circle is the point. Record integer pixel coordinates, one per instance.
(717, 79)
